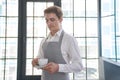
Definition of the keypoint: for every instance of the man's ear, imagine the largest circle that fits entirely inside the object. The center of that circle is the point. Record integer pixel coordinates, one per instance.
(61, 19)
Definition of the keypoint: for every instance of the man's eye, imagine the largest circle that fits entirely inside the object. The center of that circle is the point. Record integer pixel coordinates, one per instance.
(52, 20)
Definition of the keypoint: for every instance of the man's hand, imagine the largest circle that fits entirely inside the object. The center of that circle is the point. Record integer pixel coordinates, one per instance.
(51, 67)
(34, 62)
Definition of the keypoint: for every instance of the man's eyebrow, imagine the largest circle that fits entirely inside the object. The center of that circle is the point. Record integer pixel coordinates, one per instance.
(50, 18)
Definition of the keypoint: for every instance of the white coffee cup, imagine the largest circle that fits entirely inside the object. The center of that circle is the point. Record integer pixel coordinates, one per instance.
(42, 62)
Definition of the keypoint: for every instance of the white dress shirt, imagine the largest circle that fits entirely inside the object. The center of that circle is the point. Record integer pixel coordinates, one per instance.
(70, 52)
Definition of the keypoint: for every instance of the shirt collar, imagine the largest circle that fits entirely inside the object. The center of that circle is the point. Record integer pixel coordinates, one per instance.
(57, 33)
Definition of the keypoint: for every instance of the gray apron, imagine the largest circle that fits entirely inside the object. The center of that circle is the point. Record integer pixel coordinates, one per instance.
(52, 51)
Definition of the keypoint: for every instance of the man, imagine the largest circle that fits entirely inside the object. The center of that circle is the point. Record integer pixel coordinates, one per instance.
(59, 48)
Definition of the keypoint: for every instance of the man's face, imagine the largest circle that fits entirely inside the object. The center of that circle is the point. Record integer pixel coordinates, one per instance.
(53, 22)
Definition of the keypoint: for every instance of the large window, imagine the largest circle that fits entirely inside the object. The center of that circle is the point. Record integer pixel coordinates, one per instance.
(118, 29)
(8, 39)
(110, 29)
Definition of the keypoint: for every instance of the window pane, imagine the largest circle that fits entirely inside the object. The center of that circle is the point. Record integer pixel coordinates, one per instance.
(79, 27)
(29, 27)
(79, 8)
(1, 69)
(92, 48)
(92, 69)
(2, 27)
(92, 27)
(29, 47)
(33, 47)
(118, 47)
(2, 7)
(39, 27)
(12, 27)
(67, 25)
(107, 7)
(36, 27)
(118, 25)
(11, 48)
(29, 9)
(81, 44)
(28, 67)
(11, 69)
(91, 8)
(39, 8)
(67, 8)
(2, 48)
(108, 38)
(36, 45)
(12, 5)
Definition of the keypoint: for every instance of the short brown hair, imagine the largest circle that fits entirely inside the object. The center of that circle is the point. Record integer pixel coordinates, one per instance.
(54, 9)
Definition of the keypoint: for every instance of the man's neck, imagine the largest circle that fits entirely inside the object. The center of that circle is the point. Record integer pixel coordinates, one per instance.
(53, 32)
